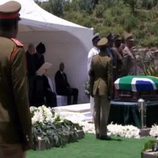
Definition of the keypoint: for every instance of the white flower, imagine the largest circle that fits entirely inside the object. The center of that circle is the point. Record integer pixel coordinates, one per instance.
(154, 131)
(128, 131)
(43, 114)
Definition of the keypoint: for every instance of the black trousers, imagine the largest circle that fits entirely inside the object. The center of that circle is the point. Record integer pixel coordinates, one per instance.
(51, 99)
(71, 93)
(41, 93)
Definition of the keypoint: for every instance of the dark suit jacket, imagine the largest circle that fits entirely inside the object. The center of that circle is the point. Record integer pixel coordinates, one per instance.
(31, 64)
(61, 82)
(15, 120)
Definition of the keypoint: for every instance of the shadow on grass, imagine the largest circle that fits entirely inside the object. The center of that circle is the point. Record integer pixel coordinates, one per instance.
(116, 139)
(111, 140)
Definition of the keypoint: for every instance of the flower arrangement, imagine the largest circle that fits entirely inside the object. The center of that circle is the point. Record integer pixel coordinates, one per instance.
(128, 131)
(58, 128)
(154, 131)
(51, 129)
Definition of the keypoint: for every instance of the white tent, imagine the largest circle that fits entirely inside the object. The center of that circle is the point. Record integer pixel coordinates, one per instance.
(65, 42)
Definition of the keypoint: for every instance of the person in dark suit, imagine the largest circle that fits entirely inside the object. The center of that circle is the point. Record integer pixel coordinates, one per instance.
(50, 96)
(101, 88)
(31, 71)
(15, 118)
(63, 86)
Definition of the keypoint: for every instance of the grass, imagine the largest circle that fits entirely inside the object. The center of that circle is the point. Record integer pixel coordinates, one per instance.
(89, 147)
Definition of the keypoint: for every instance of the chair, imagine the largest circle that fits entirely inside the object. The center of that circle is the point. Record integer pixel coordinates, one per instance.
(61, 100)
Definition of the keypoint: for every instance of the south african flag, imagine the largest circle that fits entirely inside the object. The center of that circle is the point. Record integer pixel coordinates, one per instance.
(137, 83)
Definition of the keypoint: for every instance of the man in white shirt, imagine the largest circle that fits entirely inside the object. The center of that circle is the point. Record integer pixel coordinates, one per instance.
(93, 51)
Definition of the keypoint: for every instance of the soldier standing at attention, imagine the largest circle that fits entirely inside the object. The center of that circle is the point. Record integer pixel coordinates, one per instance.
(101, 88)
(15, 120)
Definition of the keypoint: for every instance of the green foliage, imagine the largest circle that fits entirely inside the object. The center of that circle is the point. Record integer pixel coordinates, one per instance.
(118, 16)
(132, 4)
(150, 144)
(99, 11)
(148, 4)
(55, 134)
(57, 7)
(131, 23)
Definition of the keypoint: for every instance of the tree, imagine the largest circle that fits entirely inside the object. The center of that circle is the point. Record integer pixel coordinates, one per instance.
(148, 4)
(132, 4)
(57, 7)
(94, 3)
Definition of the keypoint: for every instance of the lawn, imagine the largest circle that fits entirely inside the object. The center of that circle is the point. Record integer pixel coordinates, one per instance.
(89, 147)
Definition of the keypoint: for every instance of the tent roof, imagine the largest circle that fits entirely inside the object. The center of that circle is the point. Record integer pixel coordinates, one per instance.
(34, 18)
(31, 12)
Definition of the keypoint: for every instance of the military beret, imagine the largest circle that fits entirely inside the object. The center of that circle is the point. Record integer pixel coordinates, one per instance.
(102, 42)
(10, 10)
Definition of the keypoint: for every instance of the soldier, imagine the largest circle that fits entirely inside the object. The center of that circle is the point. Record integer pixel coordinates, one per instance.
(130, 65)
(101, 88)
(15, 120)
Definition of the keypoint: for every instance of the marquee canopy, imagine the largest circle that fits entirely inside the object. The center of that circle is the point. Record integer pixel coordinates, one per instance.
(65, 41)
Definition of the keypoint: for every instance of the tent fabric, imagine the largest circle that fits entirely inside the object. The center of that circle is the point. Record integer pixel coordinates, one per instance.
(65, 42)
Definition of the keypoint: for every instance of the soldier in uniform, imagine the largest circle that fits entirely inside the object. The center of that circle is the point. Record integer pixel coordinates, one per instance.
(101, 88)
(15, 120)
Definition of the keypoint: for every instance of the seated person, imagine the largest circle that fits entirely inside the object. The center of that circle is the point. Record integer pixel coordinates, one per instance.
(63, 87)
(47, 96)
(50, 96)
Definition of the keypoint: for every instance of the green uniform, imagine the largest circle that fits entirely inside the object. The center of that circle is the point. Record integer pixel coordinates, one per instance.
(15, 120)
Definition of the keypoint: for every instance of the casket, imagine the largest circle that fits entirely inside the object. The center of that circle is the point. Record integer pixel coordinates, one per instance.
(131, 88)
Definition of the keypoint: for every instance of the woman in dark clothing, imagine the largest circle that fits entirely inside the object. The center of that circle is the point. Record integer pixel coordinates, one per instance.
(43, 93)
(40, 49)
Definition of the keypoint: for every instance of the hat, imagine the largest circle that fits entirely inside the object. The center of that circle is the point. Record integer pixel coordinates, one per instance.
(102, 42)
(10, 10)
(128, 36)
(40, 48)
(117, 38)
(96, 37)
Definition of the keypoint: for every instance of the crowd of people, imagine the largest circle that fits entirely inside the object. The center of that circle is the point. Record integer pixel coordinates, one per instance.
(40, 90)
(110, 57)
(20, 85)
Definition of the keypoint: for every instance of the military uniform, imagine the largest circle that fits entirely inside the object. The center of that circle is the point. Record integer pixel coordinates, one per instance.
(101, 89)
(15, 120)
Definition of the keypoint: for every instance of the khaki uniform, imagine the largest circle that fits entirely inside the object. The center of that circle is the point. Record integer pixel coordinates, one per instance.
(15, 120)
(101, 89)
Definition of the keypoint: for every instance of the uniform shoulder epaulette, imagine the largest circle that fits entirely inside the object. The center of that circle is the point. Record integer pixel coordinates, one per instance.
(17, 42)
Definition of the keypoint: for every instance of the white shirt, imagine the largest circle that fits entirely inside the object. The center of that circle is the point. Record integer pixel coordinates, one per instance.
(93, 51)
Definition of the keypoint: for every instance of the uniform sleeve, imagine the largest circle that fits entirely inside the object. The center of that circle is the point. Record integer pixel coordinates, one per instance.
(20, 90)
(110, 78)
